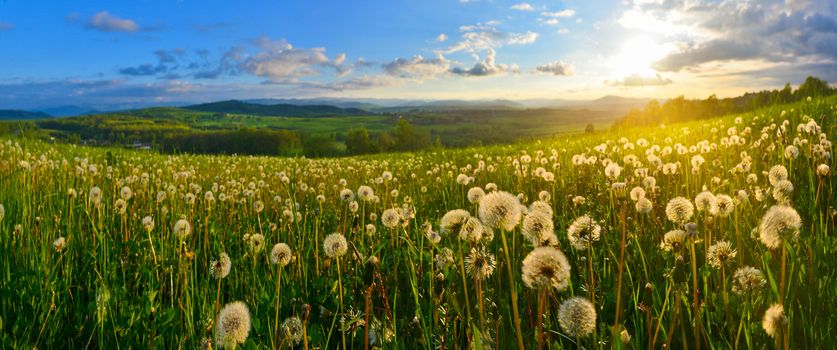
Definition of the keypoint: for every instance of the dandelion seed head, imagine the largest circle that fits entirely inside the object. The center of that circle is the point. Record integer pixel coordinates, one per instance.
(221, 267)
(292, 330)
(475, 194)
(720, 254)
(724, 205)
(783, 191)
(774, 321)
(281, 254)
(390, 218)
(779, 224)
(335, 245)
(748, 280)
(541, 207)
(705, 201)
(577, 317)
(644, 206)
(537, 225)
(59, 244)
(679, 210)
(182, 229)
(546, 267)
(777, 173)
(583, 232)
(233, 325)
(480, 263)
(500, 210)
(673, 240)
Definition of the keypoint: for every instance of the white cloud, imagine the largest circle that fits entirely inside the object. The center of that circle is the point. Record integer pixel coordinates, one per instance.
(523, 6)
(549, 21)
(486, 67)
(105, 22)
(442, 37)
(556, 68)
(522, 38)
(279, 61)
(559, 14)
(418, 67)
(727, 32)
(484, 36)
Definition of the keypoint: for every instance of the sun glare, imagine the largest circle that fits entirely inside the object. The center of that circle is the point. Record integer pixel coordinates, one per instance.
(637, 55)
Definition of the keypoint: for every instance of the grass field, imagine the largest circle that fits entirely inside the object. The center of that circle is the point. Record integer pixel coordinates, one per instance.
(713, 234)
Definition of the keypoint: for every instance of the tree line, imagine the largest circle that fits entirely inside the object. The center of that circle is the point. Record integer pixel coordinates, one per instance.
(681, 109)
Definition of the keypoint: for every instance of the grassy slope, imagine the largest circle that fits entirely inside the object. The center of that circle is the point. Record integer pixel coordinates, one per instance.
(27, 287)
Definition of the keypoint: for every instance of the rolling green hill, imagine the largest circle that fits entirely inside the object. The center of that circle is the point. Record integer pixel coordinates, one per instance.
(285, 110)
(13, 114)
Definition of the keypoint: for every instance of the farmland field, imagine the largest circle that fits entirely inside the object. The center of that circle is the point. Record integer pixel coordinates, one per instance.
(712, 234)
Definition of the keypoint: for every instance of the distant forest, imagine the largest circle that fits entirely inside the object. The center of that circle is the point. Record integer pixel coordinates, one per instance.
(681, 109)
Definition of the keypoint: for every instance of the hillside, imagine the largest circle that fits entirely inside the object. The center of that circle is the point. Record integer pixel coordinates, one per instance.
(12, 114)
(289, 233)
(284, 110)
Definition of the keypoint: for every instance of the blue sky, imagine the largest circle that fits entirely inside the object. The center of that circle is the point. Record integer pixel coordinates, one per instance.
(162, 52)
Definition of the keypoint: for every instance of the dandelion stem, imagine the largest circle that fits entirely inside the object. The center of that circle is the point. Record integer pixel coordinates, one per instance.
(512, 290)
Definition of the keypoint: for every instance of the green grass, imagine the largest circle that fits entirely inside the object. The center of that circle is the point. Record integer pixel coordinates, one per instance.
(116, 285)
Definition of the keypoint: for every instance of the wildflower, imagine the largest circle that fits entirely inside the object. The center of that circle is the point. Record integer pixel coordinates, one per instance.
(643, 206)
(577, 317)
(443, 258)
(120, 206)
(233, 324)
(748, 280)
(774, 321)
(777, 173)
(541, 207)
(220, 268)
(471, 230)
(347, 195)
(779, 224)
(475, 194)
(500, 210)
(148, 223)
(59, 244)
(182, 229)
(365, 193)
(782, 191)
(823, 170)
(546, 267)
(612, 171)
(480, 263)
(453, 220)
(335, 245)
(720, 253)
(370, 229)
(637, 193)
(724, 205)
(281, 254)
(673, 240)
(390, 218)
(679, 210)
(583, 232)
(292, 330)
(705, 201)
(95, 196)
(537, 225)
(126, 193)
(255, 242)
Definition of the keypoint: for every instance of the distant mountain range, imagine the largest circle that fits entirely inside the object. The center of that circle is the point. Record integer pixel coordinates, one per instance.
(316, 107)
(288, 110)
(13, 114)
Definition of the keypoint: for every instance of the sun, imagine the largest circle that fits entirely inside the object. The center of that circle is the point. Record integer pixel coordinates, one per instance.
(637, 55)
